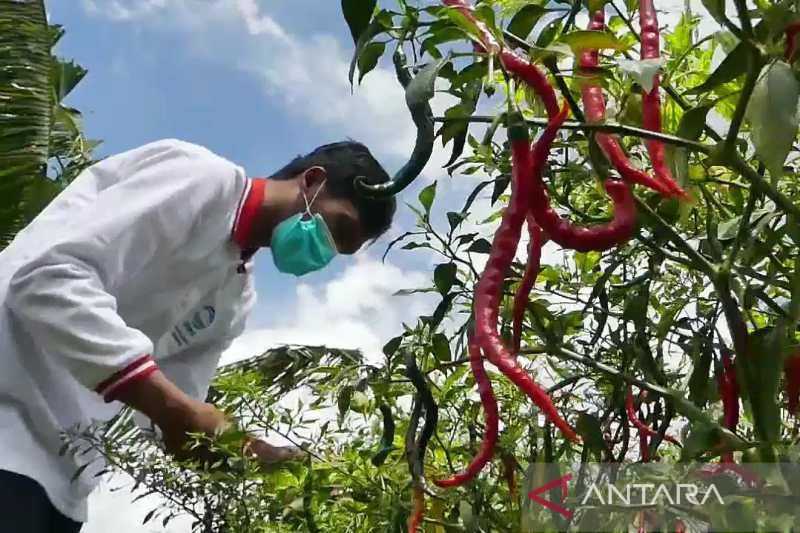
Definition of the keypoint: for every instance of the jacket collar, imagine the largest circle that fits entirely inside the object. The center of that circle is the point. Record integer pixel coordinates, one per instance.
(251, 201)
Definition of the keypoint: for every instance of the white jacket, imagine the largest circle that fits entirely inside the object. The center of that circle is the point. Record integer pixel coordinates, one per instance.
(135, 264)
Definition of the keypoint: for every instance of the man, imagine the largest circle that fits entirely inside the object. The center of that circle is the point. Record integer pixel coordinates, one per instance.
(129, 285)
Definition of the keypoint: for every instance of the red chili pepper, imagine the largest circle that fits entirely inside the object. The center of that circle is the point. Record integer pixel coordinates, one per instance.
(643, 428)
(729, 391)
(490, 418)
(513, 62)
(791, 369)
(791, 40)
(644, 447)
(651, 101)
(528, 280)
(600, 237)
(533, 77)
(680, 527)
(594, 104)
(417, 510)
(490, 285)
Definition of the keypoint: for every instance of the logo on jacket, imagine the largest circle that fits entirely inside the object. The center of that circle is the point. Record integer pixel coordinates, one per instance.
(200, 320)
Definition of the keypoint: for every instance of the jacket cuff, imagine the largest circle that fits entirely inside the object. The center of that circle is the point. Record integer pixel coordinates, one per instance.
(138, 370)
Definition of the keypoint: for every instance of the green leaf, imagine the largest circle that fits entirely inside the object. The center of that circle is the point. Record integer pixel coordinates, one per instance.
(426, 197)
(699, 381)
(733, 66)
(441, 347)
(149, 516)
(590, 39)
(525, 19)
(391, 347)
(716, 8)
(588, 427)
(772, 113)
(358, 13)
(548, 33)
(444, 276)
(480, 246)
(693, 122)
(727, 229)
(368, 59)
(343, 401)
(373, 30)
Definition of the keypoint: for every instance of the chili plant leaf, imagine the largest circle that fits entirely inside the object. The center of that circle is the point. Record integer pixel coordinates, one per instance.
(525, 19)
(480, 246)
(772, 112)
(358, 13)
(368, 59)
(426, 197)
(693, 122)
(590, 39)
(444, 277)
(733, 66)
(441, 347)
(374, 29)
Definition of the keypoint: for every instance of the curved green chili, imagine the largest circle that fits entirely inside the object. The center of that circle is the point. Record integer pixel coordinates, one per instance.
(387, 437)
(422, 116)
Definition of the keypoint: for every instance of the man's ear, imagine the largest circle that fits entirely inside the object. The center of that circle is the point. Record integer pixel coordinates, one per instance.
(312, 179)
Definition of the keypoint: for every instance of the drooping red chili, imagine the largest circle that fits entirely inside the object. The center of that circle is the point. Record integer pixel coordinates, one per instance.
(651, 101)
(417, 509)
(595, 110)
(528, 280)
(791, 32)
(791, 369)
(490, 419)
(680, 527)
(489, 288)
(643, 428)
(583, 239)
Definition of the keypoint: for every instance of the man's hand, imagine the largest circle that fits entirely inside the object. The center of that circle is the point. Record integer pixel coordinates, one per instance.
(269, 455)
(175, 413)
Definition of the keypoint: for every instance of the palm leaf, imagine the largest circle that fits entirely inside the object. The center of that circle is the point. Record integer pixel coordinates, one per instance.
(26, 109)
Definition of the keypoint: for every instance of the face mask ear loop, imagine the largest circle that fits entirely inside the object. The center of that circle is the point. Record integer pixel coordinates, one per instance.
(305, 198)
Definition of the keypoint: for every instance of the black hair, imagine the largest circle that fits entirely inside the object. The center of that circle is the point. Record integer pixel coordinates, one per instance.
(343, 162)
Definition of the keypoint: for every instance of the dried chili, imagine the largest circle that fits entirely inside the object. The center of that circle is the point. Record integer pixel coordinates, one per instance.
(491, 421)
(651, 101)
(528, 280)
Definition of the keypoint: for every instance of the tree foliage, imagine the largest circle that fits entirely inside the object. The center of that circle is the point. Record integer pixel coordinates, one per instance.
(42, 147)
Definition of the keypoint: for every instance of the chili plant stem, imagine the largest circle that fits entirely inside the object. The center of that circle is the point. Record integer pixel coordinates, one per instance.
(754, 64)
(619, 129)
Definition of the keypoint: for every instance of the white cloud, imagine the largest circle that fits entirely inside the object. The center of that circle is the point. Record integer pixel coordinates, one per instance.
(308, 72)
(355, 310)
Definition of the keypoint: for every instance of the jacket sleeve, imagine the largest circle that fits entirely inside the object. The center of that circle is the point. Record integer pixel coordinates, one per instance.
(64, 293)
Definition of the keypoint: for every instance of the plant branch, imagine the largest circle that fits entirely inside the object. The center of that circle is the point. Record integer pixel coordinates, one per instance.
(619, 129)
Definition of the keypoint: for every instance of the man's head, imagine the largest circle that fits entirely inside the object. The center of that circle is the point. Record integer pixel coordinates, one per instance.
(329, 172)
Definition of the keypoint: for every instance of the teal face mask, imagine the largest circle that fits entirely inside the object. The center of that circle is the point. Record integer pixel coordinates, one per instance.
(302, 243)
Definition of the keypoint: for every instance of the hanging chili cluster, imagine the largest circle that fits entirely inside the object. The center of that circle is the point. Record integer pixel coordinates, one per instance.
(529, 202)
